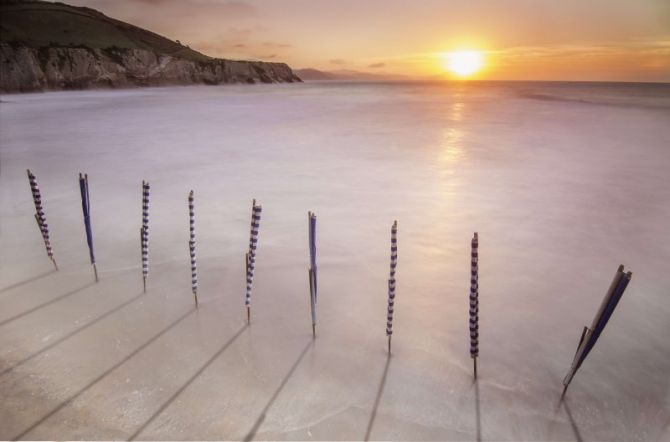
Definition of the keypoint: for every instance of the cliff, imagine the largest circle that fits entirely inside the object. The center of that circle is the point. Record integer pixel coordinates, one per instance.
(25, 69)
(52, 46)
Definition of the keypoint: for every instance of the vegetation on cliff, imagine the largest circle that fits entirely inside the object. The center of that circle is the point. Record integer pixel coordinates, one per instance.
(57, 46)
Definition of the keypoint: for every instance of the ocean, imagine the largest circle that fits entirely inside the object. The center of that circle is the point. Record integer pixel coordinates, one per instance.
(562, 181)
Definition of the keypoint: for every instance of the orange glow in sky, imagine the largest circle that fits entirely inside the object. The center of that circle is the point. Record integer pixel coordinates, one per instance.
(609, 40)
(463, 63)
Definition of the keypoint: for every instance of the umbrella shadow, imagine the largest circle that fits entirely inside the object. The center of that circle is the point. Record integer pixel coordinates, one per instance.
(72, 333)
(46, 304)
(188, 382)
(563, 401)
(252, 433)
(27, 281)
(132, 354)
(478, 415)
(573, 424)
(380, 390)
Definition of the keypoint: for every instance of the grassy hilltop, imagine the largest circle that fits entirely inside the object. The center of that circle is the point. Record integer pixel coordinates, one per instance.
(39, 24)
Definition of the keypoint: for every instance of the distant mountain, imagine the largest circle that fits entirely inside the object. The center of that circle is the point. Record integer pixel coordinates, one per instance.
(314, 74)
(311, 74)
(56, 46)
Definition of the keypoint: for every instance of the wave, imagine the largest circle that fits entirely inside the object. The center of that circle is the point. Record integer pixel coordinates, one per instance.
(623, 98)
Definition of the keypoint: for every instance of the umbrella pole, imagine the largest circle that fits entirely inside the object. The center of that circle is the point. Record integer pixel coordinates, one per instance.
(195, 296)
(95, 272)
(474, 366)
(389, 344)
(54, 261)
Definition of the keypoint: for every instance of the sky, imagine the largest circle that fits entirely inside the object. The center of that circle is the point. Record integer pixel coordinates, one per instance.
(590, 40)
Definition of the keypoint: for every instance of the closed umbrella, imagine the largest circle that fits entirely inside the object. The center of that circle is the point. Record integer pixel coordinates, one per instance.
(251, 254)
(391, 282)
(144, 233)
(591, 334)
(86, 207)
(191, 247)
(474, 302)
(40, 217)
(311, 225)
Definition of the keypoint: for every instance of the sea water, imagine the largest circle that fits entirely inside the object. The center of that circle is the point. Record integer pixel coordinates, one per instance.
(562, 181)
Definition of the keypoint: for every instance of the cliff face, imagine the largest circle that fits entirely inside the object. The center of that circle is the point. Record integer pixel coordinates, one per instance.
(25, 69)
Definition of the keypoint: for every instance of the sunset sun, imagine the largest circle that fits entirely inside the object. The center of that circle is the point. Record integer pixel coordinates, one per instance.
(463, 63)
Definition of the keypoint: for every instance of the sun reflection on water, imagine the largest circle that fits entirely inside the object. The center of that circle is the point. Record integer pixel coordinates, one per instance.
(452, 137)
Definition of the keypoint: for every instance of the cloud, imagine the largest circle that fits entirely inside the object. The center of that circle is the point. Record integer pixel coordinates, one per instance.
(338, 61)
(270, 44)
(377, 65)
(226, 9)
(234, 32)
(236, 7)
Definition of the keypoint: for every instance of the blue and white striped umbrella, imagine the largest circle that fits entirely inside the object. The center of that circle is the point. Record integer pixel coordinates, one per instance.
(191, 247)
(40, 217)
(591, 334)
(311, 226)
(251, 254)
(391, 282)
(474, 301)
(86, 208)
(144, 232)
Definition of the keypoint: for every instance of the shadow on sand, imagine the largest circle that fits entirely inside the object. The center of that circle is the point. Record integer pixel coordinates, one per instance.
(46, 304)
(27, 281)
(104, 374)
(252, 433)
(380, 390)
(188, 382)
(72, 333)
(573, 424)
